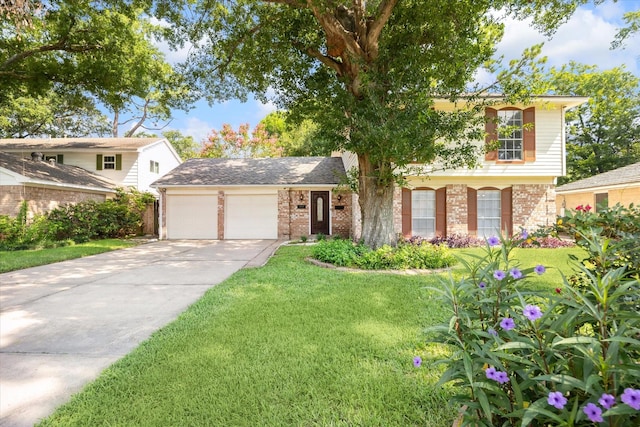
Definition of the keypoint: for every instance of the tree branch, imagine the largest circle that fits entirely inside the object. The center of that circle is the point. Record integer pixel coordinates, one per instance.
(375, 29)
(58, 46)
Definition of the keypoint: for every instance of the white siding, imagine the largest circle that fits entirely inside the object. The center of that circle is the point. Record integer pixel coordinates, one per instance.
(135, 165)
(159, 152)
(549, 152)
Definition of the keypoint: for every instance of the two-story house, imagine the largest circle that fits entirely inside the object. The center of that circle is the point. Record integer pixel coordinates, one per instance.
(291, 197)
(129, 162)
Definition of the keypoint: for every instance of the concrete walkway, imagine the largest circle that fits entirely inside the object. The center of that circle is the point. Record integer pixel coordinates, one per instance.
(62, 324)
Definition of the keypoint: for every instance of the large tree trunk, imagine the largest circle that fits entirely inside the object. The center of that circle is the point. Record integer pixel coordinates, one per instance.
(376, 205)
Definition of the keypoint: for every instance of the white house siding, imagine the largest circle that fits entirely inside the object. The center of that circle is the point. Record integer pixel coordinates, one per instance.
(160, 152)
(549, 152)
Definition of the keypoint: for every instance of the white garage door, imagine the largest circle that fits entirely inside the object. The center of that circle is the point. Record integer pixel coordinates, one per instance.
(252, 216)
(192, 217)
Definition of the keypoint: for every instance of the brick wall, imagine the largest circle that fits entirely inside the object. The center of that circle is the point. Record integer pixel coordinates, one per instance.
(457, 215)
(294, 221)
(533, 205)
(341, 218)
(41, 200)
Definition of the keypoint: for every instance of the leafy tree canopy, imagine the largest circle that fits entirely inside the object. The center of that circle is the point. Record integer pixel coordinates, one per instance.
(295, 138)
(100, 50)
(54, 114)
(604, 133)
(240, 144)
(367, 72)
(185, 146)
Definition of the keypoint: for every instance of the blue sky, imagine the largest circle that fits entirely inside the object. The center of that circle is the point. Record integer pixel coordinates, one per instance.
(585, 38)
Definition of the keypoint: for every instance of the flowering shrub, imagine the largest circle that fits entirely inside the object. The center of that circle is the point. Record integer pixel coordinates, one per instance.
(422, 255)
(534, 358)
(617, 225)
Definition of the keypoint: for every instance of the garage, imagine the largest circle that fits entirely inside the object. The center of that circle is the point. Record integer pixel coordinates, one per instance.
(251, 216)
(192, 216)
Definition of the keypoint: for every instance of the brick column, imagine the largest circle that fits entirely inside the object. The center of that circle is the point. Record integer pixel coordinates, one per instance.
(457, 215)
(284, 214)
(221, 215)
(534, 205)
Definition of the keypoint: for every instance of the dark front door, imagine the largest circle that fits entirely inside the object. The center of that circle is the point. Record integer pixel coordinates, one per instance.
(320, 212)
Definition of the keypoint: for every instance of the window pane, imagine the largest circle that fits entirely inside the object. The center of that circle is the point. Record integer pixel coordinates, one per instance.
(320, 210)
(489, 213)
(510, 136)
(423, 213)
(109, 162)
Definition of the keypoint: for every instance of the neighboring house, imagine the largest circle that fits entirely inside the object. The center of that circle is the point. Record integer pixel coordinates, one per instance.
(129, 162)
(621, 185)
(512, 188)
(254, 199)
(46, 185)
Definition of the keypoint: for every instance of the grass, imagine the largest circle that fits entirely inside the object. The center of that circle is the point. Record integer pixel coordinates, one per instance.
(16, 260)
(286, 344)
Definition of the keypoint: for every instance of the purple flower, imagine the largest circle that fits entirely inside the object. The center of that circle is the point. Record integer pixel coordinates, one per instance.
(417, 361)
(607, 401)
(493, 241)
(507, 323)
(491, 372)
(515, 273)
(498, 376)
(499, 274)
(525, 234)
(532, 312)
(593, 412)
(557, 399)
(493, 332)
(502, 377)
(539, 269)
(631, 397)
(482, 285)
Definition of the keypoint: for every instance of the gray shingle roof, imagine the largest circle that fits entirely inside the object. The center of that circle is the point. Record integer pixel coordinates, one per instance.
(43, 171)
(34, 144)
(271, 171)
(624, 175)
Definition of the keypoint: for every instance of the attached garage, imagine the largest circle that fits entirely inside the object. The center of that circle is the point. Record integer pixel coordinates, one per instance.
(272, 198)
(192, 216)
(251, 216)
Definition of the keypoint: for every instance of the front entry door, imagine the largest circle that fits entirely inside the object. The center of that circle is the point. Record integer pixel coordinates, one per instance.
(320, 212)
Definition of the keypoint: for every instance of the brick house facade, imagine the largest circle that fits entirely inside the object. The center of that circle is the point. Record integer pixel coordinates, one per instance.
(46, 185)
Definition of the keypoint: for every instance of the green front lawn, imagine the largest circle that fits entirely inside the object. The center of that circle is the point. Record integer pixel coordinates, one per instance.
(289, 344)
(16, 260)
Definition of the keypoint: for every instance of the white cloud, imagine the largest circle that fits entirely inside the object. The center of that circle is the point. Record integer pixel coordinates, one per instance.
(172, 56)
(585, 38)
(197, 128)
(263, 109)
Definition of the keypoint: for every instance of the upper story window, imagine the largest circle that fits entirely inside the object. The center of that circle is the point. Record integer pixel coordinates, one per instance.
(515, 132)
(510, 134)
(109, 162)
(154, 167)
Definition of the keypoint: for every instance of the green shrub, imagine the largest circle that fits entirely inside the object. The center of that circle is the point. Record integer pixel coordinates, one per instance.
(116, 218)
(619, 229)
(20, 233)
(338, 252)
(345, 253)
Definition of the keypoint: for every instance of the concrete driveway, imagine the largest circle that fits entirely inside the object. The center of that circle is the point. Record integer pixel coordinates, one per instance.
(62, 324)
